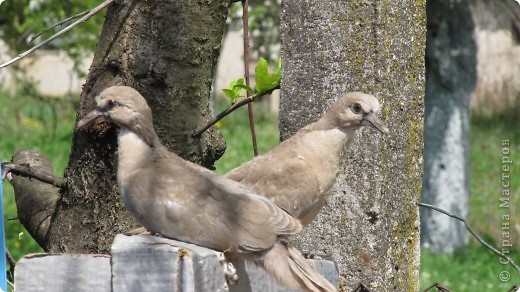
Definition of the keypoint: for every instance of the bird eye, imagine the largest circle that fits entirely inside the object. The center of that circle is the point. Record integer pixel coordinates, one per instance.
(356, 108)
(111, 104)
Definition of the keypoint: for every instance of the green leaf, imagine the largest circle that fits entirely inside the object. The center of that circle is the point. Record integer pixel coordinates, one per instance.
(235, 87)
(245, 87)
(230, 93)
(266, 81)
(240, 81)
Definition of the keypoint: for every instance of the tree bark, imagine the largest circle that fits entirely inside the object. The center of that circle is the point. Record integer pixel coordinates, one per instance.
(450, 79)
(35, 200)
(370, 225)
(167, 50)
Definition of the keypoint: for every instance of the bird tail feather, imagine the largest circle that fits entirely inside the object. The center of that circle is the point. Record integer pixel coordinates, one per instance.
(287, 265)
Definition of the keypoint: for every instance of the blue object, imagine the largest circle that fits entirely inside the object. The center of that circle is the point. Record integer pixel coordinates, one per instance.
(3, 269)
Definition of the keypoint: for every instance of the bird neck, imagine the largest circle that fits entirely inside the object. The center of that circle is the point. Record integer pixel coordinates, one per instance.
(328, 142)
(327, 122)
(135, 151)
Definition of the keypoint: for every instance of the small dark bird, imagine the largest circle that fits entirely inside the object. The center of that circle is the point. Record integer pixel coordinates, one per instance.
(298, 174)
(184, 201)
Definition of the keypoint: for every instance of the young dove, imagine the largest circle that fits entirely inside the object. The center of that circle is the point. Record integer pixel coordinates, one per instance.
(184, 201)
(298, 174)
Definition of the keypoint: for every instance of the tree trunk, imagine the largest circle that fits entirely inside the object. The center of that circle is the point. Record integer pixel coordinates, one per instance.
(451, 77)
(370, 225)
(167, 50)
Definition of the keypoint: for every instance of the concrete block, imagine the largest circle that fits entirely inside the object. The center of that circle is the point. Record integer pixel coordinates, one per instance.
(147, 262)
(63, 272)
(152, 263)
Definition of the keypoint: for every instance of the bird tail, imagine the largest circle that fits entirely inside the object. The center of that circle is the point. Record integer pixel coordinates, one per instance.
(287, 265)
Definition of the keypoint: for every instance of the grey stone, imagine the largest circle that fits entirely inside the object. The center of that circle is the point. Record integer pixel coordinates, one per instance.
(152, 263)
(63, 272)
(147, 263)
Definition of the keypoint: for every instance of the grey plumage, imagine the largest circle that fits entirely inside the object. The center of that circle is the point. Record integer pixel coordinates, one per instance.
(184, 201)
(298, 174)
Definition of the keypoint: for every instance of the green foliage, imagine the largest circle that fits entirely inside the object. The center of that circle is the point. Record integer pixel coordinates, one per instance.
(235, 88)
(266, 81)
(22, 19)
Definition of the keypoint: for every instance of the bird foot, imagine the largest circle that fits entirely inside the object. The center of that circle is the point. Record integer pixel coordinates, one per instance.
(229, 270)
(136, 231)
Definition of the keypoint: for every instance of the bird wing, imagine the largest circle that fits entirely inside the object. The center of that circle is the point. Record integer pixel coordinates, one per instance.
(284, 176)
(185, 201)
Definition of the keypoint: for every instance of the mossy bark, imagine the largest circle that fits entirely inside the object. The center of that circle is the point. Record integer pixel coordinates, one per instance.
(370, 225)
(167, 50)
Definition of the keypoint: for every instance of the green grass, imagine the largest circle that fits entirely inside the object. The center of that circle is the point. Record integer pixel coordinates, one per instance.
(46, 126)
(486, 178)
(473, 269)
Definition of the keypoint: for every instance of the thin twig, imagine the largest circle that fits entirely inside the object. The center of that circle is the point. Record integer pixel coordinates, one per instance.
(229, 110)
(438, 286)
(59, 33)
(245, 21)
(57, 24)
(509, 260)
(220, 116)
(24, 170)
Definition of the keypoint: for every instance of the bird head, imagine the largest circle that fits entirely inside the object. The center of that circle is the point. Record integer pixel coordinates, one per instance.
(120, 105)
(125, 107)
(356, 109)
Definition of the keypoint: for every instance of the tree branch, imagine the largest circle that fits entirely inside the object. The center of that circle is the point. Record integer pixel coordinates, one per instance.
(470, 229)
(245, 22)
(35, 200)
(57, 24)
(26, 171)
(229, 110)
(438, 286)
(59, 33)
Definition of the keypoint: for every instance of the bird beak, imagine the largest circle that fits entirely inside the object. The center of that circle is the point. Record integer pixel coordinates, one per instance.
(376, 123)
(90, 117)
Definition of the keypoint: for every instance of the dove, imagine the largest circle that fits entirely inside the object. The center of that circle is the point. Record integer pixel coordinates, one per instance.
(184, 201)
(299, 173)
